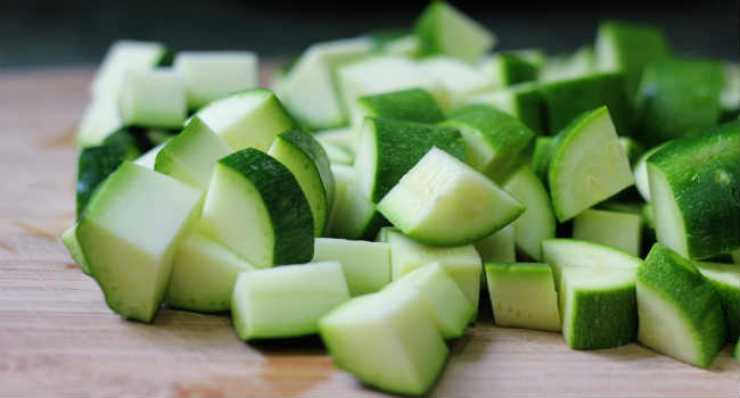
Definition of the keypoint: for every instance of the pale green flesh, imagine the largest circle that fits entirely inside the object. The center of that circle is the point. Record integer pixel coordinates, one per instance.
(203, 275)
(128, 235)
(69, 238)
(191, 155)
(337, 154)
(461, 80)
(384, 74)
(498, 247)
(431, 199)
(210, 75)
(286, 301)
(306, 172)
(388, 340)
(451, 308)
(642, 182)
(523, 296)
(537, 223)
(352, 212)
(669, 223)
(366, 160)
(149, 159)
(101, 117)
(662, 329)
(462, 263)
(343, 138)
(309, 91)
(153, 98)
(611, 228)
(588, 165)
(235, 215)
(453, 33)
(589, 298)
(124, 56)
(366, 265)
(251, 119)
(562, 253)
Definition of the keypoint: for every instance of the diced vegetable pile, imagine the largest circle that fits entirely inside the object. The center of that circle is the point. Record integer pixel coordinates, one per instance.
(385, 180)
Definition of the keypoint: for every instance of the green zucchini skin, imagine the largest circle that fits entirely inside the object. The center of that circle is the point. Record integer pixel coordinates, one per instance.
(634, 47)
(679, 281)
(96, 163)
(729, 294)
(679, 98)
(704, 175)
(290, 214)
(401, 144)
(414, 105)
(617, 329)
(567, 99)
(516, 70)
(541, 156)
(510, 139)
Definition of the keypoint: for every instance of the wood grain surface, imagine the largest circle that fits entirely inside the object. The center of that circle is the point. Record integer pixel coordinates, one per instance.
(58, 339)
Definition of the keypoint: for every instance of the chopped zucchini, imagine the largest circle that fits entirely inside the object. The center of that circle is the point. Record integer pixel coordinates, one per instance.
(462, 263)
(203, 275)
(461, 80)
(153, 98)
(366, 265)
(523, 295)
(588, 164)
(620, 230)
(450, 307)
(250, 119)
(307, 160)
(498, 247)
(694, 185)
(497, 144)
(210, 75)
(680, 312)
(430, 200)
(388, 340)
(388, 149)
(725, 278)
(286, 301)
(442, 29)
(192, 154)
(255, 207)
(129, 233)
(537, 223)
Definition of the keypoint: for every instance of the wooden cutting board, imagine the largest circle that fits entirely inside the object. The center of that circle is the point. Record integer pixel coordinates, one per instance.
(57, 337)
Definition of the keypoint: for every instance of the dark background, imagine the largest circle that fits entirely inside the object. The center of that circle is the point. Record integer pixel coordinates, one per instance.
(39, 33)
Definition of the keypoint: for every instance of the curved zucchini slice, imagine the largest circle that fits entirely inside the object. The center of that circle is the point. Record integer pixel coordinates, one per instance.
(388, 149)
(588, 165)
(537, 223)
(725, 278)
(307, 160)
(694, 185)
(286, 301)
(255, 207)
(680, 313)
(430, 200)
(353, 216)
(129, 234)
(496, 142)
(250, 119)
